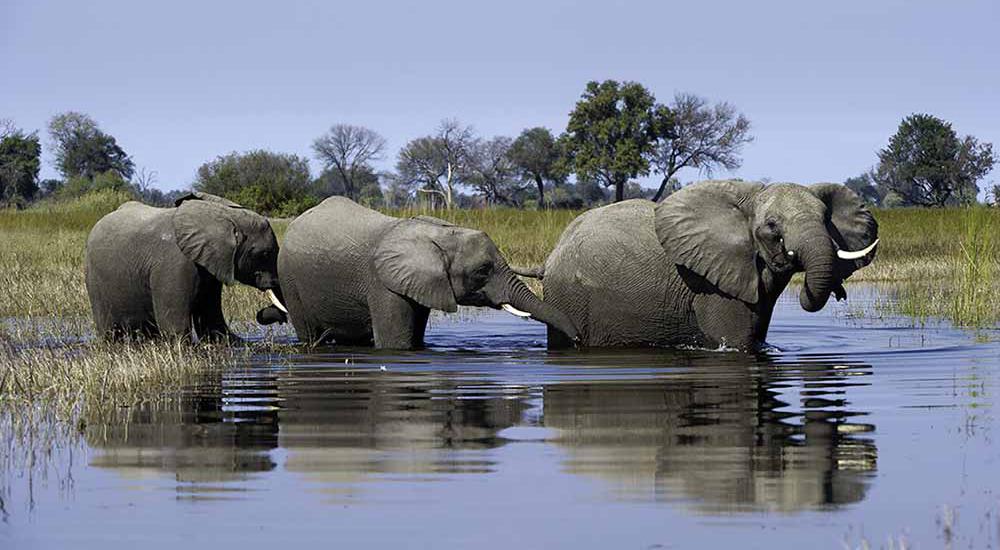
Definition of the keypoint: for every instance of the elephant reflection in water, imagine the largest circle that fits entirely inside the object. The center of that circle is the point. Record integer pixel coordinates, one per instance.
(345, 429)
(335, 429)
(192, 438)
(720, 438)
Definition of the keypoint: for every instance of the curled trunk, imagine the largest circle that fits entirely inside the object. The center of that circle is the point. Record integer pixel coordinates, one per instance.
(817, 257)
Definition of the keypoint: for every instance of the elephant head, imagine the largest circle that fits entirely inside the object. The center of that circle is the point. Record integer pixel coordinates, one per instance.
(441, 266)
(736, 234)
(232, 243)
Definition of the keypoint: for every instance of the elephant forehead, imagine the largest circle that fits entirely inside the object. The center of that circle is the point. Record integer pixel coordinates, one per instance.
(475, 244)
(787, 200)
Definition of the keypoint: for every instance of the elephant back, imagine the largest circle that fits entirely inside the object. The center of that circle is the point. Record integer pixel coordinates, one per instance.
(125, 227)
(337, 227)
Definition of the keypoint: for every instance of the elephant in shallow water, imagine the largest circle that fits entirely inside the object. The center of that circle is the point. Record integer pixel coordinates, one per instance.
(705, 266)
(358, 277)
(159, 271)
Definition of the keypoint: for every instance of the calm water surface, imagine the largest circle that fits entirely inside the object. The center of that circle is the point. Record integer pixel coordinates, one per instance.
(852, 429)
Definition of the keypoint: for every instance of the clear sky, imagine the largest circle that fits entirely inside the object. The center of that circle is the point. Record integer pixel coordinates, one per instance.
(177, 83)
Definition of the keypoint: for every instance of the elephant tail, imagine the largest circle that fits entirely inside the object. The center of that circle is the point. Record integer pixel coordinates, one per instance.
(533, 272)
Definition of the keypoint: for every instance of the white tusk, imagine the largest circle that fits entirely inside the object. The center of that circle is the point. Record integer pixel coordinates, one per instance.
(274, 300)
(514, 311)
(845, 255)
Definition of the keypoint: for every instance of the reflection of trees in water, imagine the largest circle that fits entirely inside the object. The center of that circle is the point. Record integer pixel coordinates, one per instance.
(720, 436)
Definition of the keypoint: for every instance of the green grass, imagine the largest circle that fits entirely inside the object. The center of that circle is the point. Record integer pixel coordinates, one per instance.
(941, 263)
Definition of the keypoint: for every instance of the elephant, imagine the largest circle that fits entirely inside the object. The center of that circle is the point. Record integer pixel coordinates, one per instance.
(704, 267)
(159, 271)
(354, 276)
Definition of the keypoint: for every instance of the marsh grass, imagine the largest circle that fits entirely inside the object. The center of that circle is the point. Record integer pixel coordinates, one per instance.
(943, 263)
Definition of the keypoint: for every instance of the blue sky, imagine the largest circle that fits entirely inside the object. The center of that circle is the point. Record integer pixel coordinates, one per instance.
(178, 83)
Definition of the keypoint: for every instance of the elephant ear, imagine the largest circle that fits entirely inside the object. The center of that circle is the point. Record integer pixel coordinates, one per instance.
(208, 197)
(850, 223)
(408, 262)
(705, 228)
(207, 235)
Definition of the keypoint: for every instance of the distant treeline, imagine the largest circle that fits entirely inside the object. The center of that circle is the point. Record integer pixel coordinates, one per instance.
(616, 133)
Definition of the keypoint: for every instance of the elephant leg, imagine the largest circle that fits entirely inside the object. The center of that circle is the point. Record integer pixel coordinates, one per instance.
(209, 321)
(397, 321)
(725, 321)
(174, 289)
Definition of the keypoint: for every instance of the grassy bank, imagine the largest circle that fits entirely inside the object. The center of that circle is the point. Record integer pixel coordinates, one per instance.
(943, 263)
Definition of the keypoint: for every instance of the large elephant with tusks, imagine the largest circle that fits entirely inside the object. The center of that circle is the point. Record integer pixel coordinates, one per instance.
(705, 266)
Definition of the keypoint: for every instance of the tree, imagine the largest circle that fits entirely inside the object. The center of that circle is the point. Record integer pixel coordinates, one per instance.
(926, 163)
(438, 164)
(492, 172)
(611, 133)
(538, 158)
(367, 189)
(349, 151)
(81, 149)
(20, 161)
(274, 184)
(864, 186)
(698, 135)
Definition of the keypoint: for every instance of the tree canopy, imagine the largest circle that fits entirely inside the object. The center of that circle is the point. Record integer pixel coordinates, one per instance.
(699, 135)
(349, 151)
(437, 165)
(81, 149)
(20, 161)
(611, 133)
(927, 164)
(274, 184)
(538, 158)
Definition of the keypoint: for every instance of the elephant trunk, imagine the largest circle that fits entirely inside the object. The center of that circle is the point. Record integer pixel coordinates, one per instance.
(817, 257)
(515, 293)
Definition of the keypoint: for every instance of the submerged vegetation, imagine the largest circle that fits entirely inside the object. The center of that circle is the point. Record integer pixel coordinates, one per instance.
(940, 263)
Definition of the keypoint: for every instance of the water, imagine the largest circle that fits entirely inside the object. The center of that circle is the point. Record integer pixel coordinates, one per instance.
(851, 430)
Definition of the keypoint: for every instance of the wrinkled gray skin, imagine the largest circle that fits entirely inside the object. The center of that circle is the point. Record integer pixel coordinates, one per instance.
(705, 266)
(159, 271)
(357, 277)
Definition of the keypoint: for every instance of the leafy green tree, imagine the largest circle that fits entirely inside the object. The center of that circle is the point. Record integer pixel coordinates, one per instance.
(274, 184)
(538, 158)
(348, 152)
(81, 149)
(611, 133)
(112, 181)
(864, 186)
(20, 160)
(695, 134)
(367, 189)
(927, 164)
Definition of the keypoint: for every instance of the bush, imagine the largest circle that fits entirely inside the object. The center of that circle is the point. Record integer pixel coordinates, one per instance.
(269, 183)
